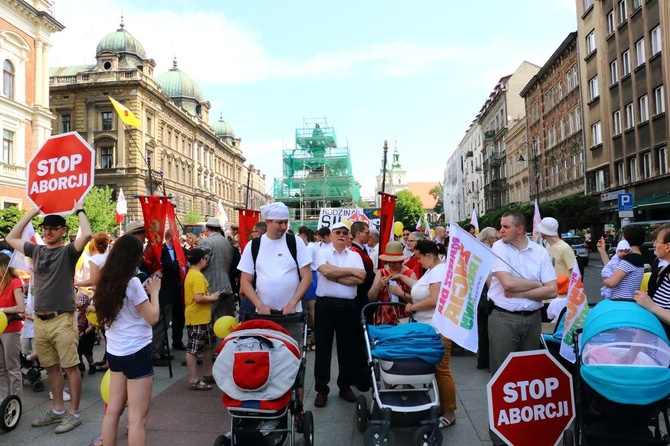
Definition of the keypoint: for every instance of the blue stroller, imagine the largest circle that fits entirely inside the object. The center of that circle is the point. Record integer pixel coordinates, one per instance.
(621, 377)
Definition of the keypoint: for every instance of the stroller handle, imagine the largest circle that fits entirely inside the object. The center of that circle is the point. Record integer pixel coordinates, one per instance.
(372, 305)
(277, 316)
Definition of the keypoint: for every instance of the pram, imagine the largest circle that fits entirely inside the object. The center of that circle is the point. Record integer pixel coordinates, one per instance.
(32, 373)
(621, 377)
(261, 371)
(402, 362)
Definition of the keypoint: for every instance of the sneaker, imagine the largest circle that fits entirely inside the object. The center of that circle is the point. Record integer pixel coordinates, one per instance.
(92, 370)
(69, 422)
(66, 395)
(48, 418)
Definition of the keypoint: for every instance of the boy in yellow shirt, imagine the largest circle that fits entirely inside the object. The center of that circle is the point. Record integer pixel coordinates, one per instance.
(201, 338)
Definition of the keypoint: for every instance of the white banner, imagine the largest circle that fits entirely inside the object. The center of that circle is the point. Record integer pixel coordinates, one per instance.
(469, 263)
(20, 261)
(329, 216)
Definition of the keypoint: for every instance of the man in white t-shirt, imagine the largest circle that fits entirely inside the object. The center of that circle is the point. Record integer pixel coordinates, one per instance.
(281, 278)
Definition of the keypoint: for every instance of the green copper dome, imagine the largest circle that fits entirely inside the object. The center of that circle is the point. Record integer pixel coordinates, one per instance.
(178, 85)
(222, 129)
(121, 41)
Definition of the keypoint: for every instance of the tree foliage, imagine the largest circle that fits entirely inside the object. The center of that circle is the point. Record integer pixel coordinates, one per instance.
(9, 217)
(100, 211)
(192, 217)
(408, 208)
(437, 192)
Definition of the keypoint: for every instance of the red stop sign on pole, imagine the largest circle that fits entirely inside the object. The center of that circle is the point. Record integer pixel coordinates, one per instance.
(60, 173)
(531, 400)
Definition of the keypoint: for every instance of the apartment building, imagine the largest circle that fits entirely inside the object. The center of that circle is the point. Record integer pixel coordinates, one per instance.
(470, 152)
(624, 70)
(554, 149)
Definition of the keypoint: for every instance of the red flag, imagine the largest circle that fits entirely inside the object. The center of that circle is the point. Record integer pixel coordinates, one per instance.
(174, 230)
(121, 207)
(153, 212)
(248, 219)
(386, 220)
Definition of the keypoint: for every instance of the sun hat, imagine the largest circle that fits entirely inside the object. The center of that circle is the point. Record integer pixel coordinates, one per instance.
(339, 225)
(135, 227)
(393, 252)
(548, 226)
(213, 222)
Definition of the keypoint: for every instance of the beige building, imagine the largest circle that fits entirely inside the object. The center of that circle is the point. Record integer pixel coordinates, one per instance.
(176, 152)
(623, 66)
(25, 119)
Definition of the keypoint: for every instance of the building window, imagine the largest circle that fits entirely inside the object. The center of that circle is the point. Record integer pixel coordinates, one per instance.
(640, 56)
(646, 165)
(644, 108)
(106, 154)
(590, 43)
(587, 4)
(625, 63)
(593, 88)
(659, 100)
(632, 169)
(65, 123)
(578, 119)
(8, 79)
(600, 180)
(7, 147)
(630, 116)
(107, 122)
(596, 134)
(616, 118)
(662, 160)
(637, 4)
(614, 71)
(571, 124)
(610, 22)
(560, 90)
(568, 80)
(620, 174)
(623, 11)
(655, 37)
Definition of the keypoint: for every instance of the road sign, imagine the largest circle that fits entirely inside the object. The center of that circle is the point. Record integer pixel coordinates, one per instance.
(531, 400)
(625, 202)
(60, 173)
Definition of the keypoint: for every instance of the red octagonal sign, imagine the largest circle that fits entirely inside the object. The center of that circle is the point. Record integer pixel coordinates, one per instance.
(531, 400)
(60, 173)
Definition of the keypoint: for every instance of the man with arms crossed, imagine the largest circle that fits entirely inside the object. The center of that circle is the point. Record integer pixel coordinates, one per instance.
(56, 334)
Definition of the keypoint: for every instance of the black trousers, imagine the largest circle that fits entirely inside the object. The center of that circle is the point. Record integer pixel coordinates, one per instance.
(339, 319)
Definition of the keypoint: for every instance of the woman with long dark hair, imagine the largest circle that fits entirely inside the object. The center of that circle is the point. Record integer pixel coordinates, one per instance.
(123, 307)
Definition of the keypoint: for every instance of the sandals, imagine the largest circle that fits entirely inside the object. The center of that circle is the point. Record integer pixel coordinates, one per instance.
(208, 379)
(311, 346)
(199, 385)
(444, 423)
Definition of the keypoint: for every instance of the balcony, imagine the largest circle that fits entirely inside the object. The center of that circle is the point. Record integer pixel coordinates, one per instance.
(498, 184)
(495, 159)
(489, 134)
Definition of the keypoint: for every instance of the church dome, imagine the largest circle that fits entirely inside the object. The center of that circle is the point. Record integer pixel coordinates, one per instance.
(223, 130)
(121, 41)
(178, 85)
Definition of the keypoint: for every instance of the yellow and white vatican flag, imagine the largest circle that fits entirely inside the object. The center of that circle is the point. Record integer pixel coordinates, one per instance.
(474, 222)
(469, 263)
(126, 115)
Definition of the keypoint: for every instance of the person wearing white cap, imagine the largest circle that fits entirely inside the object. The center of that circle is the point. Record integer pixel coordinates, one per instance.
(622, 248)
(276, 270)
(218, 267)
(562, 255)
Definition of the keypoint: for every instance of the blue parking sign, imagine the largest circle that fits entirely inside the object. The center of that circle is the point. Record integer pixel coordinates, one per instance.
(625, 202)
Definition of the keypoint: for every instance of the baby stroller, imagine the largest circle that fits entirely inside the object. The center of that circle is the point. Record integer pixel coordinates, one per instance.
(621, 377)
(402, 361)
(261, 371)
(32, 373)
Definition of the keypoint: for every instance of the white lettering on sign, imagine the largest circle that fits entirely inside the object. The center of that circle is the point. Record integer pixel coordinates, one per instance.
(535, 389)
(61, 183)
(61, 165)
(516, 415)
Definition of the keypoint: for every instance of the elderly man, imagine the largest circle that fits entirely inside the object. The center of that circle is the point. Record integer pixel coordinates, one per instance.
(339, 271)
(56, 334)
(280, 266)
(218, 268)
(373, 248)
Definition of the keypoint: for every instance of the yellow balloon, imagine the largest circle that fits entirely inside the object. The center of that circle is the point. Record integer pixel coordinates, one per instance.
(432, 232)
(105, 385)
(224, 325)
(644, 286)
(3, 322)
(397, 228)
(92, 318)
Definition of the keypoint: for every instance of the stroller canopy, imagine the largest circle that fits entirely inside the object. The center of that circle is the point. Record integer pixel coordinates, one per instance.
(625, 353)
(406, 341)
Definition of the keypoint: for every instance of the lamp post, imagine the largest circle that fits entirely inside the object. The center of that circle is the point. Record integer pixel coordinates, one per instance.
(535, 158)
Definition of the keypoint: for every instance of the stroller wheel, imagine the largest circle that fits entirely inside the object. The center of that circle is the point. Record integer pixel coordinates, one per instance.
(427, 436)
(307, 429)
(568, 438)
(222, 440)
(361, 413)
(37, 386)
(33, 374)
(10, 413)
(374, 437)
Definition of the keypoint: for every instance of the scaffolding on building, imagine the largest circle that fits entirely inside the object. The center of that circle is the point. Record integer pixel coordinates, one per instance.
(316, 174)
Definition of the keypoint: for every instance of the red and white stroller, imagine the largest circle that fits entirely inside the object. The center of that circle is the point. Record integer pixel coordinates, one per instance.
(260, 369)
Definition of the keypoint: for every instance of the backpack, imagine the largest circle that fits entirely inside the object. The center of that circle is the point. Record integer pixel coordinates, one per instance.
(290, 242)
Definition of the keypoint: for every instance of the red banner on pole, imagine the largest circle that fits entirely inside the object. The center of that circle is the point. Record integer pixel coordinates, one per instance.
(386, 220)
(248, 219)
(153, 212)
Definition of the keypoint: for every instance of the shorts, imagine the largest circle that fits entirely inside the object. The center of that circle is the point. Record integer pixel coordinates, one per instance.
(137, 365)
(310, 294)
(200, 337)
(56, 340)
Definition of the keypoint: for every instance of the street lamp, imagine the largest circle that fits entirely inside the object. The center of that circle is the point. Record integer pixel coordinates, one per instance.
(536, 161)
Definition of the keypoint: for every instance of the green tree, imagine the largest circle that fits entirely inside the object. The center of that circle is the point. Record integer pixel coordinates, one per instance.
(192, 217)
(100, 211)
(9, 217)
(437, 192)
(408, 208)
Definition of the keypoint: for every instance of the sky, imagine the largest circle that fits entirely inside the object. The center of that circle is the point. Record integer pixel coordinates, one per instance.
(413, 73)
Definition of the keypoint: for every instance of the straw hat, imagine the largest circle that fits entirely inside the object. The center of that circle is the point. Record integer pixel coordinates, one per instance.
(393, 252)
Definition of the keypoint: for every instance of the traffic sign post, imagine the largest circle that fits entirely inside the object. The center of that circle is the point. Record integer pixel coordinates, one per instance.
(625, 202)
(60, 173)
(531, 400)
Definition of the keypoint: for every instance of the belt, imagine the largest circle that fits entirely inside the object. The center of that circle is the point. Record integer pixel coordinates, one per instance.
(521, 313)
(47, 316)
